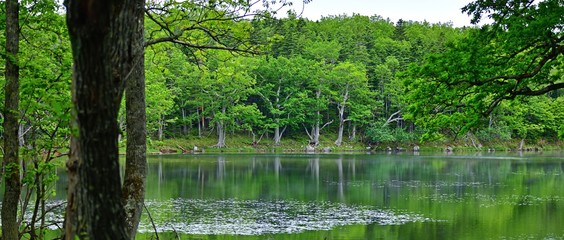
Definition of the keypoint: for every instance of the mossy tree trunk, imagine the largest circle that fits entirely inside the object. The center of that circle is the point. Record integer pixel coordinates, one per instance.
(136, 160)
(11, 164)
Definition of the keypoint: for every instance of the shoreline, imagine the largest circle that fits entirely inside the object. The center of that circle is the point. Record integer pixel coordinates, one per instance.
(190, 146)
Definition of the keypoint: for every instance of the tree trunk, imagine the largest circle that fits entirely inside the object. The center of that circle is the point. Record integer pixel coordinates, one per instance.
(277, 135)
(491, 120)
(199, 126)
(11, 166)
(353, 134)
(72, 165)
(314, 138)
(315, 131)
(220, 134)
(522, 144)
(203, 119)
(101, 33)
(21, 134)
(135, 159)
(122, 127)
(339, 140)
(221, 131)
(341, 109)
(160, 130)
(184, 126)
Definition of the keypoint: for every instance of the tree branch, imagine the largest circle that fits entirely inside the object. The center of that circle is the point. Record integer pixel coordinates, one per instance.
(326, 124)
(391, 119)
(307, 132)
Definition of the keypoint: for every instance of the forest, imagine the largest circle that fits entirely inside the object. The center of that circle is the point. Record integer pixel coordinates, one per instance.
(225, 69)
(356, 79)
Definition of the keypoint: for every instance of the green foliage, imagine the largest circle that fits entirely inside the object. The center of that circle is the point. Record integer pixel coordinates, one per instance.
(356, 69)
(160, 75)
(10, 168)
(45, 102)
(307, 68)
(534, 118)
(494, 134)
(381, 133)
(249, 118)
(520, 54)
(280, 87)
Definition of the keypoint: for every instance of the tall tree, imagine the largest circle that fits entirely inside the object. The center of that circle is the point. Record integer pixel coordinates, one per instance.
(160, 100)
(317, 99)
(101, 33)
(249, 118)
(11, 164)
(279, 83)
(326, 53)
(230, 85)
(350, 92)
(136, 121)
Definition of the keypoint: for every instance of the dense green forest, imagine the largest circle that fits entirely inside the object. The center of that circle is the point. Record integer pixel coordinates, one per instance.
(225, 69)
(353, 78)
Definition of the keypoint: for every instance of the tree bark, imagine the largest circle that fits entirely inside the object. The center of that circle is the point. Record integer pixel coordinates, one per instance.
(200, 123)
(221, 131)
(101, 33)
(220, 134)
(352, 137)
(136, 149)
(339, 140)
(21, 134)
(160, 130)
(341, 109)
(11, 173)
(277, 134)
(70, 225)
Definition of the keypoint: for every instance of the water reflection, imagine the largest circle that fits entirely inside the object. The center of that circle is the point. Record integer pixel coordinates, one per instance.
(488, 195)
(220, 167)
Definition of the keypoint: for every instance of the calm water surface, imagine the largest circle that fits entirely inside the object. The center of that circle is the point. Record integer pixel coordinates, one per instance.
(355, 196)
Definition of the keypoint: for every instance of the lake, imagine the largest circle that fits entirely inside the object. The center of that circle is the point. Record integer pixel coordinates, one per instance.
(354, 196)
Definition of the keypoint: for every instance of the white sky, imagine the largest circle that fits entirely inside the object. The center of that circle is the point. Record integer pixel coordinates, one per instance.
(433, 11)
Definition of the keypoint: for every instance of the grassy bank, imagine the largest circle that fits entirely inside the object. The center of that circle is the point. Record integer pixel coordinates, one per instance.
(243, 143)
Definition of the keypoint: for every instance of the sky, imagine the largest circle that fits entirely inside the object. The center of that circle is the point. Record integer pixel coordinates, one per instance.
(433, 11)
